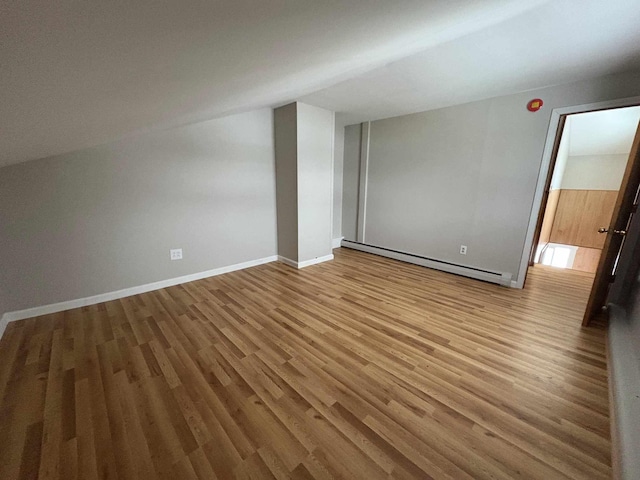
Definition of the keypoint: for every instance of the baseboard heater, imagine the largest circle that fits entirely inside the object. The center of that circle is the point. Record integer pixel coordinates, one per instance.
(479, 274)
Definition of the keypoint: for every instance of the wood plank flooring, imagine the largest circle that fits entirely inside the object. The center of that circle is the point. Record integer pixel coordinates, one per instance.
(360, 368)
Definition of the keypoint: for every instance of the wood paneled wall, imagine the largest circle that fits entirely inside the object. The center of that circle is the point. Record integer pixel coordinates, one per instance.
(587, 259)
(579, 215)
(572, 217)
(549, 215)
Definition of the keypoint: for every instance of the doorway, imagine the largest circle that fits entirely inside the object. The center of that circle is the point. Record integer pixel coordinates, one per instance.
(588, 170)
(588, 164)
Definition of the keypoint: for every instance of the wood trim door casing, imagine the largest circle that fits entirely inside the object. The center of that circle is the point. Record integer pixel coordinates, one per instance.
(546, 169)
(547, 188)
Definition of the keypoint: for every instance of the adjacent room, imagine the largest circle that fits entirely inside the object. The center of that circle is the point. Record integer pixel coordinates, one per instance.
(320, 240)
(588, 170)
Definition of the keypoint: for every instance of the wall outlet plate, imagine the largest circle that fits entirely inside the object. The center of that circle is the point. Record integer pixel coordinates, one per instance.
(176, 253)
(463, 249)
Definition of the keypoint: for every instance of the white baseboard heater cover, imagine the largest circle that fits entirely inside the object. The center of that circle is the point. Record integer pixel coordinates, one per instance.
(499, 278)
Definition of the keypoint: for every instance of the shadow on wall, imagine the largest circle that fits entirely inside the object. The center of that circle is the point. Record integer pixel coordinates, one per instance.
(104, 219)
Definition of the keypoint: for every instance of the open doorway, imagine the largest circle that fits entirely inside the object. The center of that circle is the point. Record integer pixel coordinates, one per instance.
(622, 220)
(589, 165)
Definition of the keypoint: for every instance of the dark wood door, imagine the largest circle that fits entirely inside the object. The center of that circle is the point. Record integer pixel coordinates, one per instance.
(615, 232)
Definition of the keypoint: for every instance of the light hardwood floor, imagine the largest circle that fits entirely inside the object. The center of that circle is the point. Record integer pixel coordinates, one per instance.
(363, 367)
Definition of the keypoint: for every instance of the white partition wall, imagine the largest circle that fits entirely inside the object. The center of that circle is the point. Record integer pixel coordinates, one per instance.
(304, 172)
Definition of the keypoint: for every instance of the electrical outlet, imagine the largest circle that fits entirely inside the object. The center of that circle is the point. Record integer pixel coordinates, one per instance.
(463, 249)
(176, 253)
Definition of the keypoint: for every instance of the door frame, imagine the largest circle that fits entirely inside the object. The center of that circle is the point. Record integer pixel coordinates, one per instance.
(547, 186)
(545, 172)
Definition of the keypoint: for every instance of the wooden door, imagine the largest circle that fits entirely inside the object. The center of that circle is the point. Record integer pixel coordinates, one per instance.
(615, 233)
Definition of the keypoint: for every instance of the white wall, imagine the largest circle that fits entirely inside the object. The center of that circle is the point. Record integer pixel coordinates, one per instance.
(286, 154)
(104, 218)
(465, 174)
(594, 172)
(304, 153)
(338, 169)
(422, 188)
(594, 149)
(351, 181)
(624, 352)
(315, 177)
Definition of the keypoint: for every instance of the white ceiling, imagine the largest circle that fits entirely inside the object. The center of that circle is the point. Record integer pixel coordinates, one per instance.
(559, 42)
(77, 74)
(608, 132)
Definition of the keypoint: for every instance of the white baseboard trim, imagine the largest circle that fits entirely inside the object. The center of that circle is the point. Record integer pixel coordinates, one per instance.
(500, 278)
(336, 242)
(306, 263)
(315, 261)
(126, 292)
(288, 261)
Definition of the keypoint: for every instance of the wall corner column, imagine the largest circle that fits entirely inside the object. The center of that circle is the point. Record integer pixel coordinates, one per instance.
(304, 136)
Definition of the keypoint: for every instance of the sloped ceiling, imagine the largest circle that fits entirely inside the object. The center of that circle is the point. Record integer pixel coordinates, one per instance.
(77, 74)
(559, 42)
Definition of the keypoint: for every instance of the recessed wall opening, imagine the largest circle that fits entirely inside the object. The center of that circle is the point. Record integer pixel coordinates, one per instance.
(590, 163)
(590, 166)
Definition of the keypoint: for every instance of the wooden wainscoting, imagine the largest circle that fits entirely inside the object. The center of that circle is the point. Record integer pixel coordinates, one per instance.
(549, 216)
(587, 259)
(579, 215)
